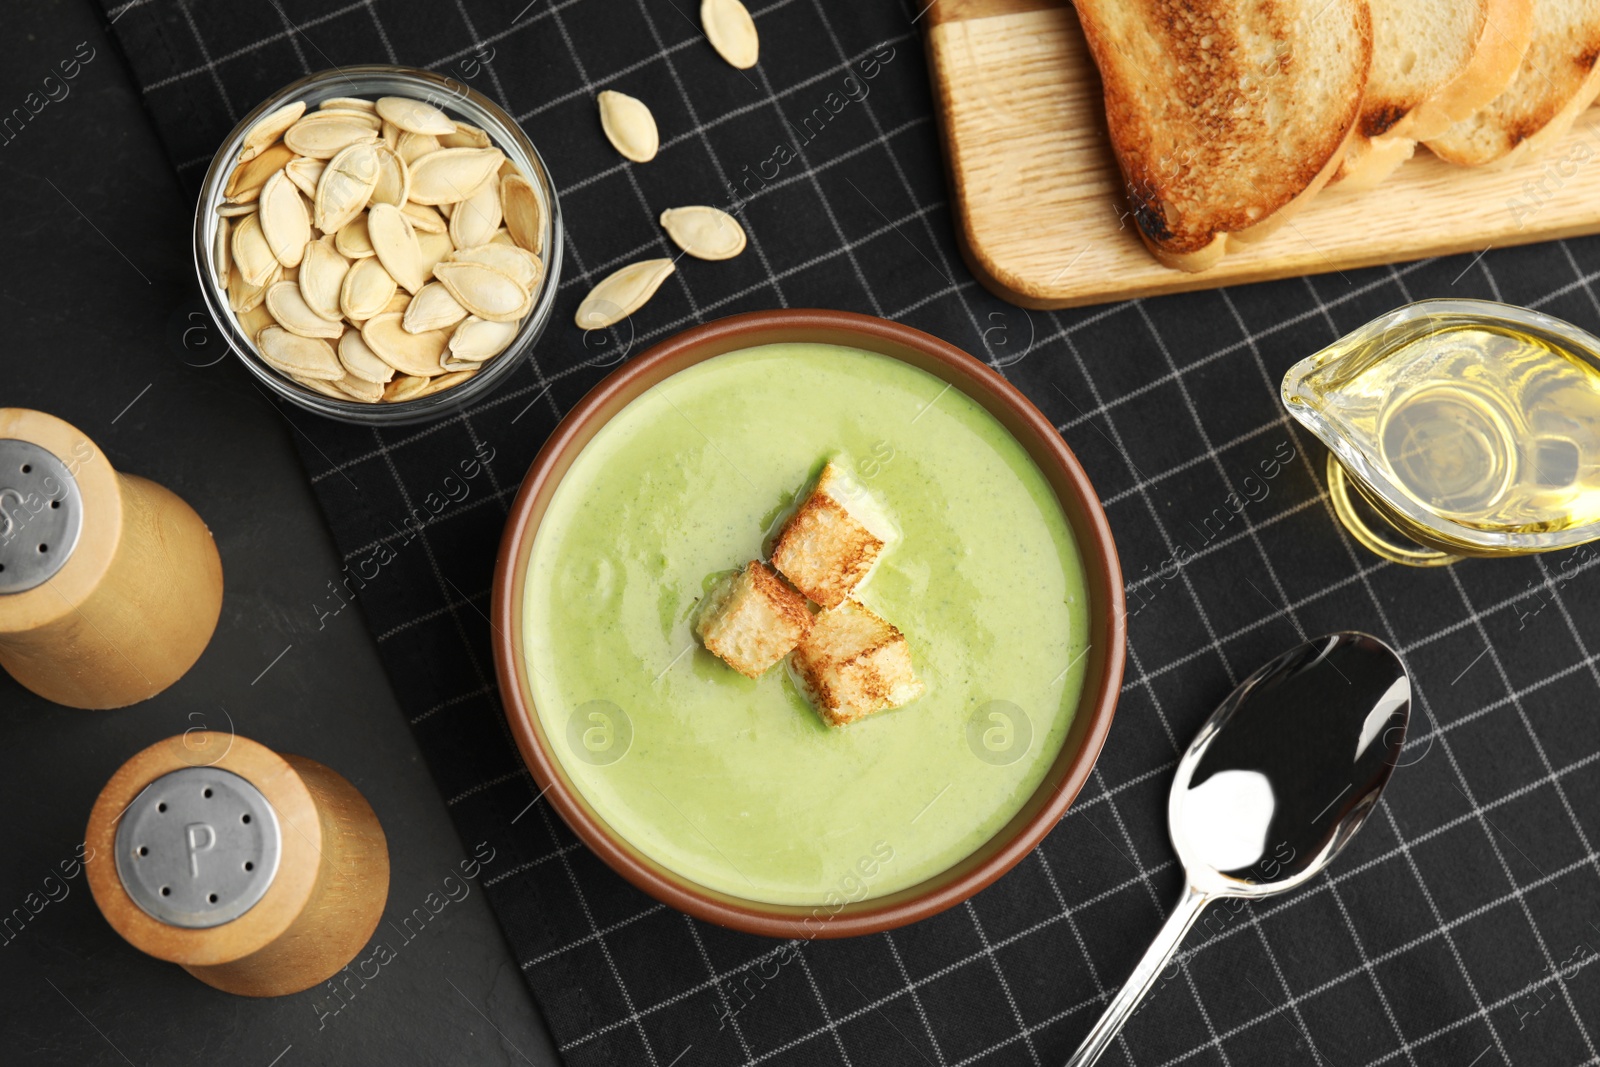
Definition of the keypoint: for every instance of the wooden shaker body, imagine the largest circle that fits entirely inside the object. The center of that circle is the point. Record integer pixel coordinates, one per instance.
(137, 602)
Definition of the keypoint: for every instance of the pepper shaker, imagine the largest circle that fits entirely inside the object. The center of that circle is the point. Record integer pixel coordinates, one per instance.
(260, 874)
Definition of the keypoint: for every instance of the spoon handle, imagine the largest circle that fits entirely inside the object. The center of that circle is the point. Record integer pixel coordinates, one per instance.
(1123, 1005)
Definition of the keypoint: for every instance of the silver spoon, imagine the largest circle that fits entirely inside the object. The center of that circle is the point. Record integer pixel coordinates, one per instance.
(1277, 782)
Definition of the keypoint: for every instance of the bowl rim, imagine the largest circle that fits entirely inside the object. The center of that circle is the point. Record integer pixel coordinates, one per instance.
(1076, 496)
(448, 92)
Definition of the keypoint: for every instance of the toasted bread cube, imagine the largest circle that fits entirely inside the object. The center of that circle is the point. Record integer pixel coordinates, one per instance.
(753, 619)
(831, 544)
(853, 664)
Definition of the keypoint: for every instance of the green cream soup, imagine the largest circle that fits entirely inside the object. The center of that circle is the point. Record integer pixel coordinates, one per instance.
(736, 783)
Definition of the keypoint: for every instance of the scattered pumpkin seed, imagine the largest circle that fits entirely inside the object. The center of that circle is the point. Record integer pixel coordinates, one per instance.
(732, 32)
(629, 126)
(305, 172)
(484, 291)
(622, 292)
(394, 177)
(466, 135)
(704, 232)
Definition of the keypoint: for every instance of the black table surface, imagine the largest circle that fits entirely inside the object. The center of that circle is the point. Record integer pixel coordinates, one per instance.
(94, 292)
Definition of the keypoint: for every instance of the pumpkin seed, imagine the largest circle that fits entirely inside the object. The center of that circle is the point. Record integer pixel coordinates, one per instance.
(302, 357)
(245, 183)
(292, 312)
(230, 211)
(394, 178)
(353, 241)
(629, 126)
(622, 292)
(391, 134)
(519, 205)
(732, 31)
(404, 388)
(478, 339)
(413, 146)
(322, 273)
(445, 209)
(242, 296)
(398, 302)
(317, 385)
(452, 174)
(424, 219)
(347, 184)
(324, 134)
(269, 128)
(704, 232)
(359, 116)
(347, 103)
(360, 389)
(484, 291)
(435, 247)
(366, 290)
(221, 260)
(255, 320)
(408, 353)
(305, 172)
(522, 265)
(466, 135)
(502, 236)
(433, 308)
(283, 219)
(251, 252)
(414, 115)
(446, 381)
(477, 217)
(359, 361)
(396, 245)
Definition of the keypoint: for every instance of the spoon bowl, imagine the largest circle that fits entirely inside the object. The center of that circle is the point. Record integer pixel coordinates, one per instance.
(1278, 780)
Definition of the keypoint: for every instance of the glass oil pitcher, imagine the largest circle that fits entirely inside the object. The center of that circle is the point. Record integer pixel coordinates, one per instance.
(1471, 428)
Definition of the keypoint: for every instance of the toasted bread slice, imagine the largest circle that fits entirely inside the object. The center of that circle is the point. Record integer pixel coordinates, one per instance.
(831, 544)
(853, 663)
(752, 620)
(1558, 78)
(1226, 115)
(1434, 63)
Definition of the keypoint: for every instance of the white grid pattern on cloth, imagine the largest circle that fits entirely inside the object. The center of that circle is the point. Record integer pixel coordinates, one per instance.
(1215, 645)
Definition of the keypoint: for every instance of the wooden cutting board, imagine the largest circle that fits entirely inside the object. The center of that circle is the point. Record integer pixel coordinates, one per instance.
(1038, 199)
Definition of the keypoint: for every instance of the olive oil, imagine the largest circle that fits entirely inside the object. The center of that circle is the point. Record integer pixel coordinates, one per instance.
(1473, 424)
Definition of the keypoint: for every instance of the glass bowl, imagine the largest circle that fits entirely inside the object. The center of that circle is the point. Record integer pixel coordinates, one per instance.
(456, 100)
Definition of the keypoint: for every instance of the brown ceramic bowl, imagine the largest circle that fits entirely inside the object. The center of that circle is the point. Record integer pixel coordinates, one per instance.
(1107, 618)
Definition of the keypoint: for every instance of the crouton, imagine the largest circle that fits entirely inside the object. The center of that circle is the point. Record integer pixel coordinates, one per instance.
(752, 620)
(833, 541)
(853, 664)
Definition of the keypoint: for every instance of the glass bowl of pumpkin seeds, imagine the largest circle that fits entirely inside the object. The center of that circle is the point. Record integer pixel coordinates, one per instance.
(379, 245)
